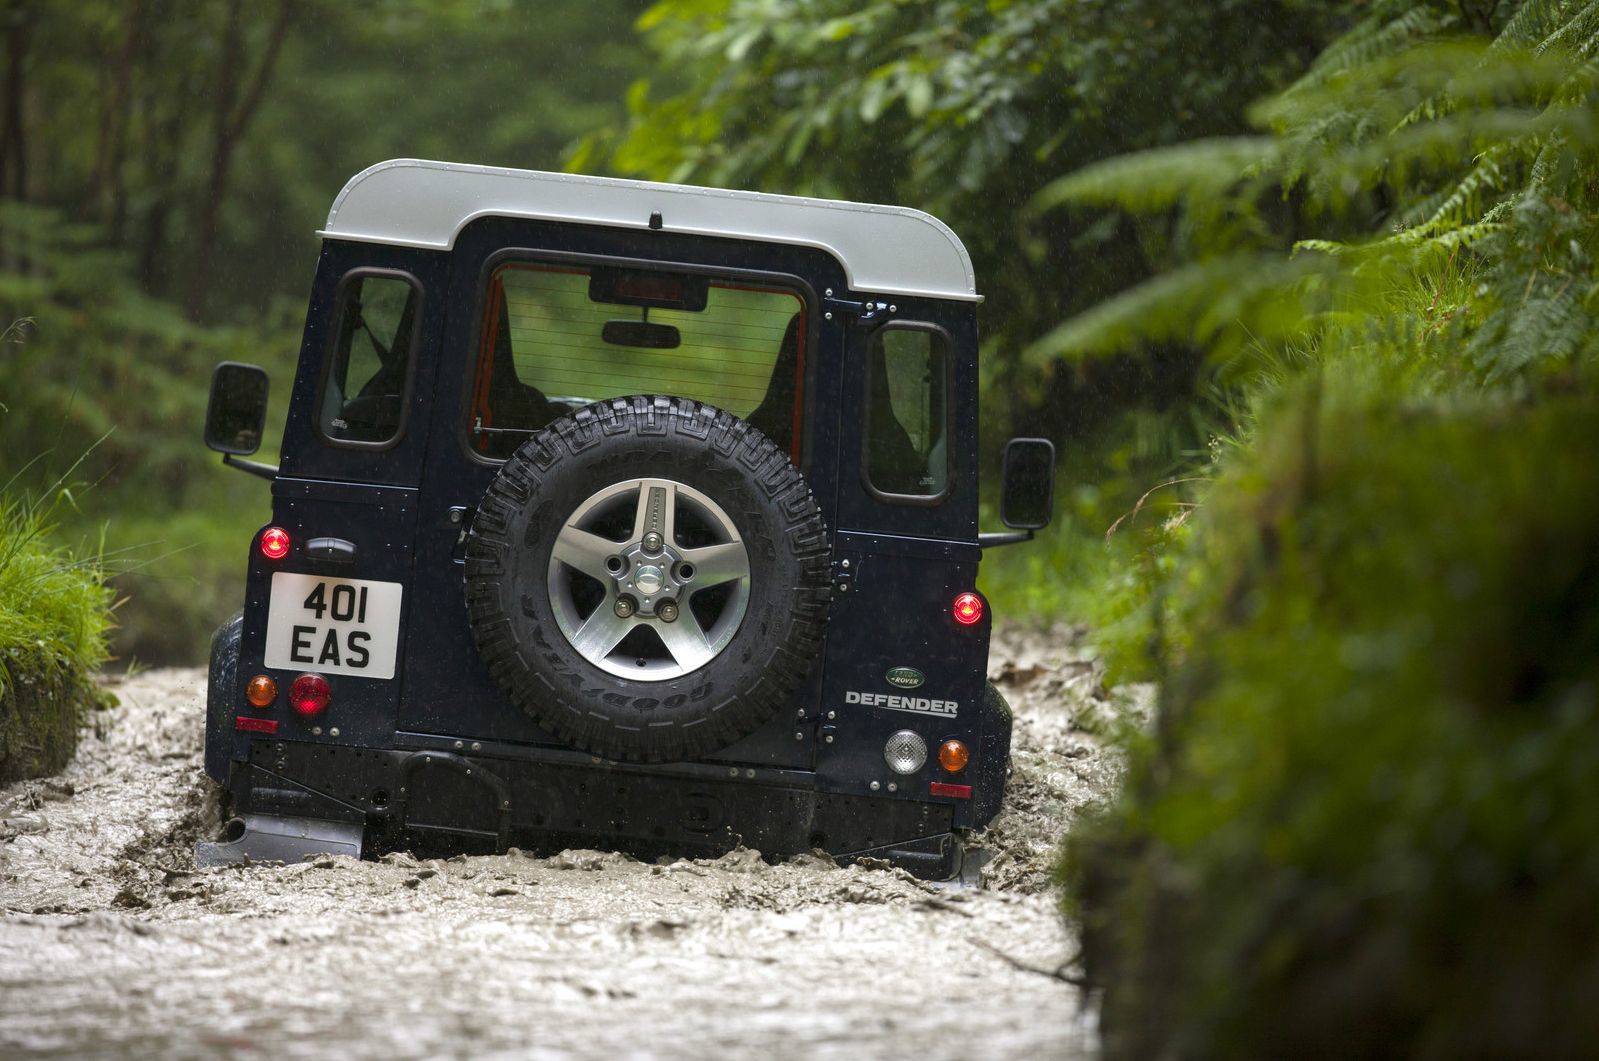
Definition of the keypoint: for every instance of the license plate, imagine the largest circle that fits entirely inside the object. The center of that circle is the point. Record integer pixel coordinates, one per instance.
(333, 625)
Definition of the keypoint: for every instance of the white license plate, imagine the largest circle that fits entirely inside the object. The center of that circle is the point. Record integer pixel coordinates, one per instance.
(333, 625)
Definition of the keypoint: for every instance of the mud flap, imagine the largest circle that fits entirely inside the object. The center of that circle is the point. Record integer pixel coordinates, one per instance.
(273, 838)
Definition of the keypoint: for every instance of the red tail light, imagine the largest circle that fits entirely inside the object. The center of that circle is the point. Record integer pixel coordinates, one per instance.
(968, 609)
(310, 694)
(274, 543)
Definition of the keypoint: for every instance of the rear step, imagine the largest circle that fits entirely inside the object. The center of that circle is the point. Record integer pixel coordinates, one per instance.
(275, 838)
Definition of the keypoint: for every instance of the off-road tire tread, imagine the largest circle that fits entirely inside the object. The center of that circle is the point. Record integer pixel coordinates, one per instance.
(615, 717)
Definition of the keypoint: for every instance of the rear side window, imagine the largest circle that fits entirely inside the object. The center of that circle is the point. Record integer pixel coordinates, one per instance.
(363, 394)
(907, 413)
(559, 336)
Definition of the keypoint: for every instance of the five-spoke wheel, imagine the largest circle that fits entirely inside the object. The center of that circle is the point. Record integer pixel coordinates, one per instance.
(649, 579)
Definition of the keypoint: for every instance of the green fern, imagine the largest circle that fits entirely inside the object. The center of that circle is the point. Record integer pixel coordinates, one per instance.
(1409, 151)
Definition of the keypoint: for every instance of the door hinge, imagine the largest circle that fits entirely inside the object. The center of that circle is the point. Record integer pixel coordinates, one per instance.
(868, 312)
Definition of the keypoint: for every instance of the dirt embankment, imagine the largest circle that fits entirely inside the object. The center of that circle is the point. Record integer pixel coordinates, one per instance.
(112, 943)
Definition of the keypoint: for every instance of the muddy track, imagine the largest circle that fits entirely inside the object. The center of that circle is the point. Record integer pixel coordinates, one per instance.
(113, 944)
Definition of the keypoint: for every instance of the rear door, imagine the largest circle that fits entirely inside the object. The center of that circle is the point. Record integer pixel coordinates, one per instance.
(338, 603)
(531, 305)
(905, 548)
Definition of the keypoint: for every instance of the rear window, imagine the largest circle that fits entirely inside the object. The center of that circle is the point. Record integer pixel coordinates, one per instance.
(557, 337)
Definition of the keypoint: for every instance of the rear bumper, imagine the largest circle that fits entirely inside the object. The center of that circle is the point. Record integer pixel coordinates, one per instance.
(433, 801)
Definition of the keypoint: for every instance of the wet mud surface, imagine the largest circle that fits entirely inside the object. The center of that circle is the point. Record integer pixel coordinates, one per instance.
(112, 943)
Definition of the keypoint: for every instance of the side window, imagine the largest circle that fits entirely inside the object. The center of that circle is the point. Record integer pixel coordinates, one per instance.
(363, 393)
(907, 412)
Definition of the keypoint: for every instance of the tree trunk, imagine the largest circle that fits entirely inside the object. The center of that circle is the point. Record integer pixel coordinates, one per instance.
(230, 121)
(18, 27)
(115, 118)
(163, 133)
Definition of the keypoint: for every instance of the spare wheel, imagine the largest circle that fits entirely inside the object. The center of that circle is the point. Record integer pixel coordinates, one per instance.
(648, 578)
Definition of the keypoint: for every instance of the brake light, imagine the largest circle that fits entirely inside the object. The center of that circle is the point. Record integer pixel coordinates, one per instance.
(968, 609)
(262, 691)
(309, 694)
(274, 543)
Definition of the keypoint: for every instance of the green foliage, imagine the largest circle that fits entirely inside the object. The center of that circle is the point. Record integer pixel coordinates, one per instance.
(1362, 819)
(1451, 189)
(104, 361)
(1356, 822)
(55, 611)
(1413, 156)
(128, 117)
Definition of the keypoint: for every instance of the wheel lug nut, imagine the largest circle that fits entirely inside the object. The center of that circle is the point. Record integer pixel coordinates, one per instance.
(625, 607)
(652, 542)
(667, 610)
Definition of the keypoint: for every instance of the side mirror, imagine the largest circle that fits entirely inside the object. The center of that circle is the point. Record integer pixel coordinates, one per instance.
(1027, 497)
(237, 410)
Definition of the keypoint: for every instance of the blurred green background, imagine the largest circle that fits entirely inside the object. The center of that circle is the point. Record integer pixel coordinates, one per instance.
(1304, 292)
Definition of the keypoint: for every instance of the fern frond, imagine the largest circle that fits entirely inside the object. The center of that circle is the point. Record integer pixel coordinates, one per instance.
(1428, 148)
(1533, 23)
(1321, 246)
(1549, 325)
(1580, 35)
(1163, 177)
(1379, 36)
(1193, 303)
(1459, 203)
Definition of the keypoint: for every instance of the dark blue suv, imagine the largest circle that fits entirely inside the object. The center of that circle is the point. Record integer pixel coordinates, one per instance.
(617, 514)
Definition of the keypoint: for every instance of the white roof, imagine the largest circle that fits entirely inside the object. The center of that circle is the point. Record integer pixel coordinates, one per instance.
(889, 250)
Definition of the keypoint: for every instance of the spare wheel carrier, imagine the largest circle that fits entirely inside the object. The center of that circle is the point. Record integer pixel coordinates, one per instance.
(648, 578)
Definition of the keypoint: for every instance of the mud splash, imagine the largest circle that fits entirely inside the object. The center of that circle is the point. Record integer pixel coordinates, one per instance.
(112, 943)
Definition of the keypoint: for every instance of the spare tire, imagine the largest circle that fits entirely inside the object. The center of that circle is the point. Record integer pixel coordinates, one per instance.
(648, 578)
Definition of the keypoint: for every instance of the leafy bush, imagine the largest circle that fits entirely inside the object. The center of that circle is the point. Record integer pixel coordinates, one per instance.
(1363, 825)
(1358, 827)
(54, 614)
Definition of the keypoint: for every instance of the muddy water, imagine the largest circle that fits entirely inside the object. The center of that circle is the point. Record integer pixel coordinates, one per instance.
(113, 944)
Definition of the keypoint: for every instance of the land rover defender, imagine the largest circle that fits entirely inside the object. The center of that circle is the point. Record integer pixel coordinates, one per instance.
(617, 514)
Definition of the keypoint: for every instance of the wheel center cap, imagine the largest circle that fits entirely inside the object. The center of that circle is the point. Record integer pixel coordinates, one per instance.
(648, 579)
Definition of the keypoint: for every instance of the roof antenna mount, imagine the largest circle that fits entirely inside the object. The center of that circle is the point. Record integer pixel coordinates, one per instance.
(655, 221)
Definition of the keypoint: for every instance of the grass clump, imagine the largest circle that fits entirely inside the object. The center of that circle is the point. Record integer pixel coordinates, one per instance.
(55, 615)
(1363, 825)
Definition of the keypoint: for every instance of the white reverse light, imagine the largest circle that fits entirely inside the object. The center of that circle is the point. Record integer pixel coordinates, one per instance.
(905, 752)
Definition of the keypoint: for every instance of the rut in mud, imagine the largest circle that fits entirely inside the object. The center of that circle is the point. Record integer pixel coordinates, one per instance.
(111, 942)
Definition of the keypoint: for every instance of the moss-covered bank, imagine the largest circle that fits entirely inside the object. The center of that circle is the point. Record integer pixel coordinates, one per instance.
(1364, 823)
(54, 614)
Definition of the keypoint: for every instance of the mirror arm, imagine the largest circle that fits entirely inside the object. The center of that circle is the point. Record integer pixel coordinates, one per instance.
(988, 541)
(265, 471)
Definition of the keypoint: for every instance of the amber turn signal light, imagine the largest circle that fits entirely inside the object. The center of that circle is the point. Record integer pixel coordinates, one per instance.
(262, 691)
(952, 756)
